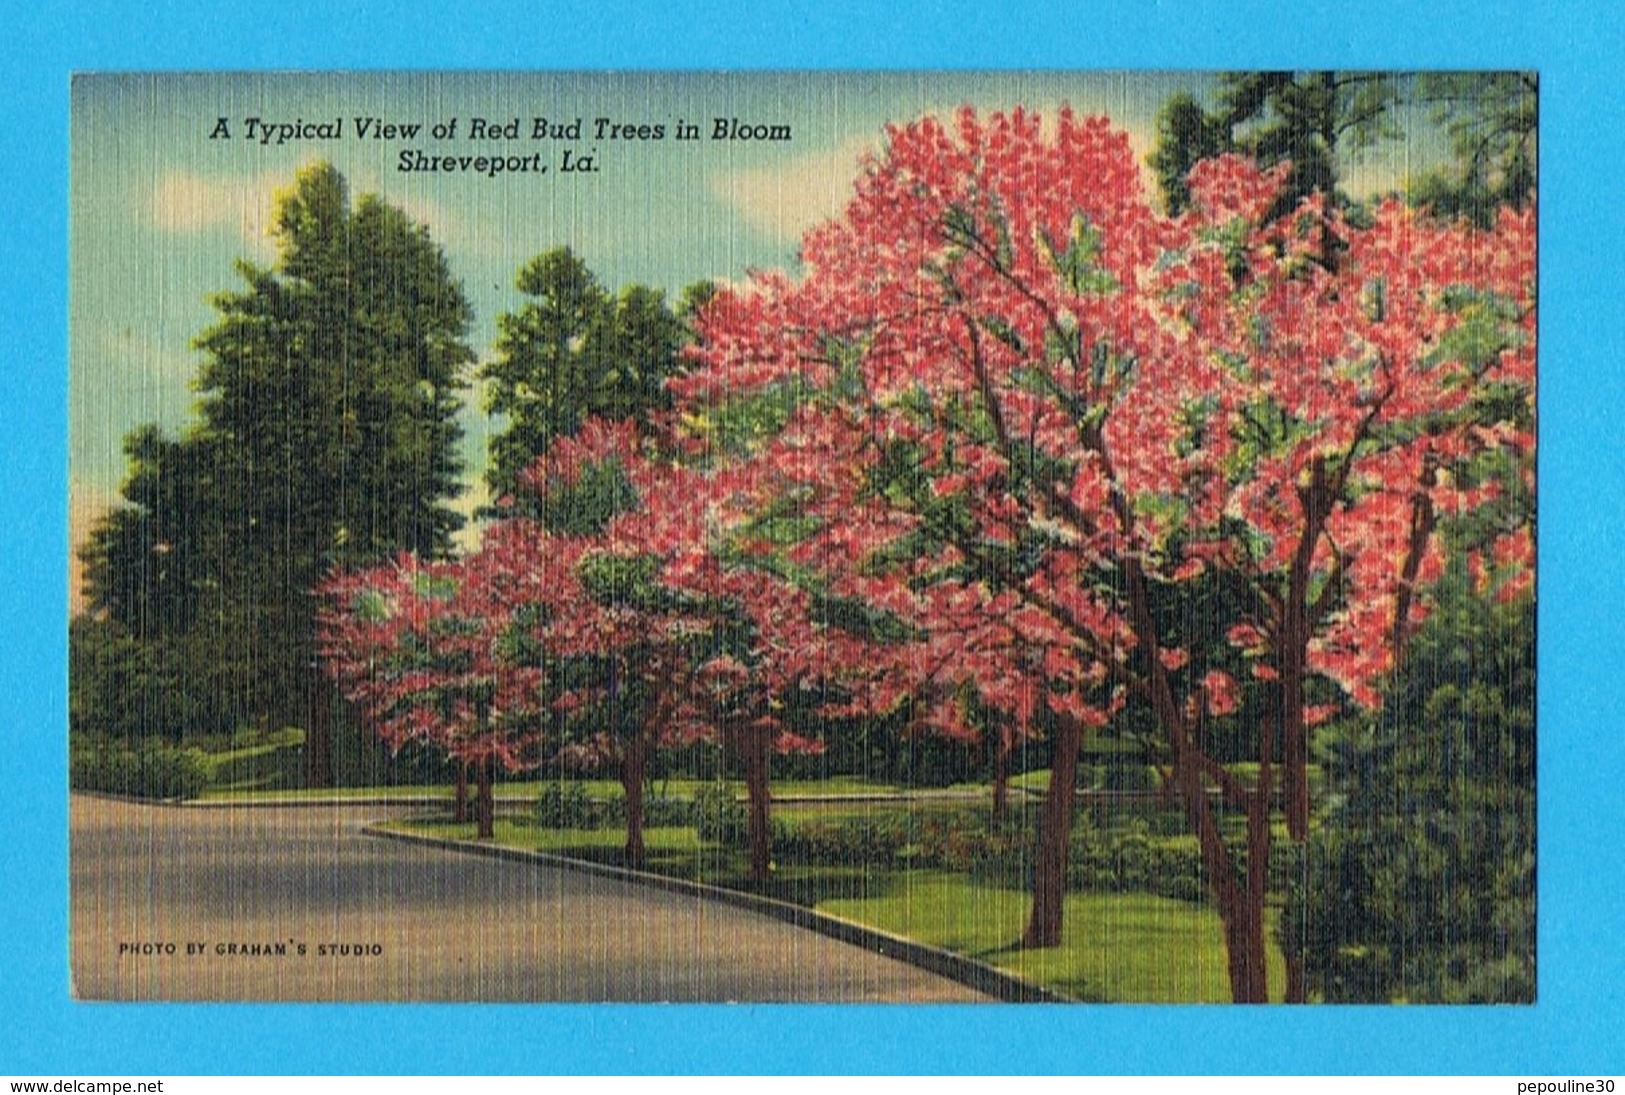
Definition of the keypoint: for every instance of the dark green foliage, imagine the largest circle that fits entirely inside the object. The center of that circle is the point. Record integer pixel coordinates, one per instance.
(1124, 858)
(151, 770)
(1186, 135)
(1420, 882)
(878, 748)
(1317, 120)
(330, 388)
(145, 560)
(1311, 119)
(719, 816)
(574, 351)
(876, 840)
(1314, 120)
(1491, 118)
(176, 687)
(115, 683)
(327, 437)
(566, 804)
(1131, 858)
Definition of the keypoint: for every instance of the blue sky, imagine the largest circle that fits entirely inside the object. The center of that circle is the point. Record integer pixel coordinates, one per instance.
(160, 212)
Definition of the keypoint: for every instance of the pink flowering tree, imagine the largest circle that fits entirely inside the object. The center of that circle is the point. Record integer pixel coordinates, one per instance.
(1024, 413)
(620, 566)
(419, 647)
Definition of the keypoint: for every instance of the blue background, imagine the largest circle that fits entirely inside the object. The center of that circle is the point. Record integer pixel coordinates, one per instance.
(1577, 1027)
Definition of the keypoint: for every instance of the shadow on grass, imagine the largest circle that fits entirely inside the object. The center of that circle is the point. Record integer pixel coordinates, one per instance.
(1014, 947)
(974, 914)
(798, 884)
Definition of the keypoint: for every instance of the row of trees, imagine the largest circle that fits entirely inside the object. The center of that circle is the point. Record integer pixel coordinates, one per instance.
(327, 437)
(1020, 454)
(1051, 453)
(1094, 455)
(326, 434)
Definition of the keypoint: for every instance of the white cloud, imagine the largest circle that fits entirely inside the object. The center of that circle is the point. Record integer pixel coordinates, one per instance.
(444, 226)
(145, 353)
(787, 198)
(186, 203)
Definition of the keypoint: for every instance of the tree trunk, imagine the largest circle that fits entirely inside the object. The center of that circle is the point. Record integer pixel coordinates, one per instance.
(485, 798)
(1243, 919)
(757, 759)
(319, 731)
(1243, 933)
(1251, 912)
(1001, 778)
(459, 807)
(1296, 627)
(1295, 747)
(634, 762)
(1054, 838)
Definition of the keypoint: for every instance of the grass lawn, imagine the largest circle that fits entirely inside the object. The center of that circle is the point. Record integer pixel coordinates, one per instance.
(594, 788)
(667, 847)
(1128, 948)
(673, 851)
(1132, 948)
(406, 791)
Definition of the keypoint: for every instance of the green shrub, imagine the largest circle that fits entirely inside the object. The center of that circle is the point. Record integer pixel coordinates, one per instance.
(1418, 883)
(718, 816)
(155, 771)
(661, 811)
(1128, 775)
(568, 806)
(881, 840)
(1137, 859)
(1001, 859)
(266, 762)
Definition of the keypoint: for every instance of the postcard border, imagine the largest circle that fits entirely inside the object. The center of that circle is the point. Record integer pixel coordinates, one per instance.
(1575, 1025)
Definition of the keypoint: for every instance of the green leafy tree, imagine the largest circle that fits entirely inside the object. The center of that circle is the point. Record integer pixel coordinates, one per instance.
(1314, 120)
(1317, 120)
(1419, 884)
(144, 559)
(1186, 135)
(331, 385)
(327, 437)
(1491, 119)
(329, 396)
(572, 351)
(151, 656)
(113, 682)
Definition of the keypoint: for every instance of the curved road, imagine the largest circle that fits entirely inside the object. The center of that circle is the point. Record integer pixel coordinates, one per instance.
(183, 903)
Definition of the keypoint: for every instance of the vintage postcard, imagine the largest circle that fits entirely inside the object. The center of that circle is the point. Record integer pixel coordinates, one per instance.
(808, 537)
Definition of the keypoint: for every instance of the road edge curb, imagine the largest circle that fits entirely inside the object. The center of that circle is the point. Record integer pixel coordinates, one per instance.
(996, 983)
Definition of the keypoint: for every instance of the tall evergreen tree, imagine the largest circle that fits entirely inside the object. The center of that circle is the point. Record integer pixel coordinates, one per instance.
(1312, 119)
(1491, 119)
(1317, 120)
(1186, 135)
(328, 437)
(1419, 884)
(572, 351)
(144, 560)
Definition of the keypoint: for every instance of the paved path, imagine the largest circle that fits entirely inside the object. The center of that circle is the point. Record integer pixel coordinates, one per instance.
(245, 889)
